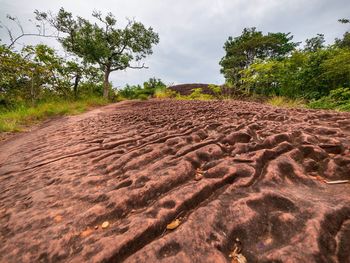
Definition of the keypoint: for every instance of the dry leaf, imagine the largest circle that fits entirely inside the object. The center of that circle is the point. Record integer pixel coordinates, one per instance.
(199, 175)
(105, 224)
(268, 241)
(239, 258)
(86, 232)
(174, 224)
(58, 218)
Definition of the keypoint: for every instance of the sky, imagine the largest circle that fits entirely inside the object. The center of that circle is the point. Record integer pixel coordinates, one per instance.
(192, 32)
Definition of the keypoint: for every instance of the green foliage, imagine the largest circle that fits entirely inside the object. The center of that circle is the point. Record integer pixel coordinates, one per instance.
(241, 51)
(270, 66)
(131, 92)
(315, 43)
(149, 89)
(152, 85)
(216, 90)
(338, 99)
(37, 72)
(17, 118)
(197, 94)
(304, 74)
(165, 93)
(103, 43)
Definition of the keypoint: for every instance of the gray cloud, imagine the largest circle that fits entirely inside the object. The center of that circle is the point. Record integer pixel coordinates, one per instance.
(192, 33)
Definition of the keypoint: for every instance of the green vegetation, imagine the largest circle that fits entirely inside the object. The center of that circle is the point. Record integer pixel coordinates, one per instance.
(17, 118)
(338, 99)
(36, 82)
(105, 45)
(272, 66)
(151, 88)
(197, 94)
(286, 102)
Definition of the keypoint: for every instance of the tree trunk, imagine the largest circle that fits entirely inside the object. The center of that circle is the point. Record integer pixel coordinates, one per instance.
(76, 83)
(106, 83)
(32, 92)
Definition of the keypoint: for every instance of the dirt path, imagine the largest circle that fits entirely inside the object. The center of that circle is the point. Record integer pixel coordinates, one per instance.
(227, 170)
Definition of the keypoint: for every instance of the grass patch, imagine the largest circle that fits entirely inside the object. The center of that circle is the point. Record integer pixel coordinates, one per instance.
(165, 93)
(286, 102)
(15, 120)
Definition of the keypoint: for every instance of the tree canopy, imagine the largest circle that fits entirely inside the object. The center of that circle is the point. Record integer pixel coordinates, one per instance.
(241, 51)
(103, 43)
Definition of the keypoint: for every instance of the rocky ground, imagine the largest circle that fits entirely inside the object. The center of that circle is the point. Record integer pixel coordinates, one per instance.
(178, 181)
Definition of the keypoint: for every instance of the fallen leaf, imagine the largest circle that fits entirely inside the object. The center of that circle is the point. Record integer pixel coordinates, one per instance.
(199, 175)
(239, 258)
(58, 218)
(105, 225)
(236, 255)
(86, 232)
(268, 241)
(174, 224)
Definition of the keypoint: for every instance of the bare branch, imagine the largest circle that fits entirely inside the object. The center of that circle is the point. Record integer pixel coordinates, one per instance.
(40, 27)
(29, 34)
(138, 67)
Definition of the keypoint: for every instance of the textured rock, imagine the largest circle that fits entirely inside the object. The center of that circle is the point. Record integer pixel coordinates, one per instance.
(227, 170)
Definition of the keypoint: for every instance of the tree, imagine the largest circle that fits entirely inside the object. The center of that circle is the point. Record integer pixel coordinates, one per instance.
(344, 21)
(315, 43)
(102, 43)
(345, 41)
(337, 68)
(152, 85)
(241, 51)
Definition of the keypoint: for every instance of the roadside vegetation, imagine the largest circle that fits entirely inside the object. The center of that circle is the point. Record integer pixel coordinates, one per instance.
(275, 67)
(22, 116)
(37, 82)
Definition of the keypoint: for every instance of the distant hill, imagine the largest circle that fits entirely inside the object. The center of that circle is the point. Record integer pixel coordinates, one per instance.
(186, 89)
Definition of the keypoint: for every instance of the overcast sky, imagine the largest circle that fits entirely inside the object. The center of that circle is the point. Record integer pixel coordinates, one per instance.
(192, 32)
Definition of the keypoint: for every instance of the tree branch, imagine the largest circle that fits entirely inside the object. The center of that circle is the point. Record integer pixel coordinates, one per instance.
(138, 67)
(28, 34)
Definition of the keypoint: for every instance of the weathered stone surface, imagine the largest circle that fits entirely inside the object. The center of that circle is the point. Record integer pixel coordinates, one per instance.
(137, 165)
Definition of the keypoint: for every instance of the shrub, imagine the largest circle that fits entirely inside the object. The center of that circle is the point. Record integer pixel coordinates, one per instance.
(338, 99)
(197, 94)
(165, 93)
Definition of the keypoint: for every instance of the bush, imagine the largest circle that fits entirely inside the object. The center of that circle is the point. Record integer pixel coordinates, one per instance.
(197, 94)
(165, 93)
(149, 89)
(338, 99)
(216, 90)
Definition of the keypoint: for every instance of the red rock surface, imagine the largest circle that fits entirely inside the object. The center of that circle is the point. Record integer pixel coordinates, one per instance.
(227, 170)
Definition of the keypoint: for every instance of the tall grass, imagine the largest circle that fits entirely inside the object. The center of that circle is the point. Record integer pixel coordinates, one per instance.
(16, 119)
(286, 102)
